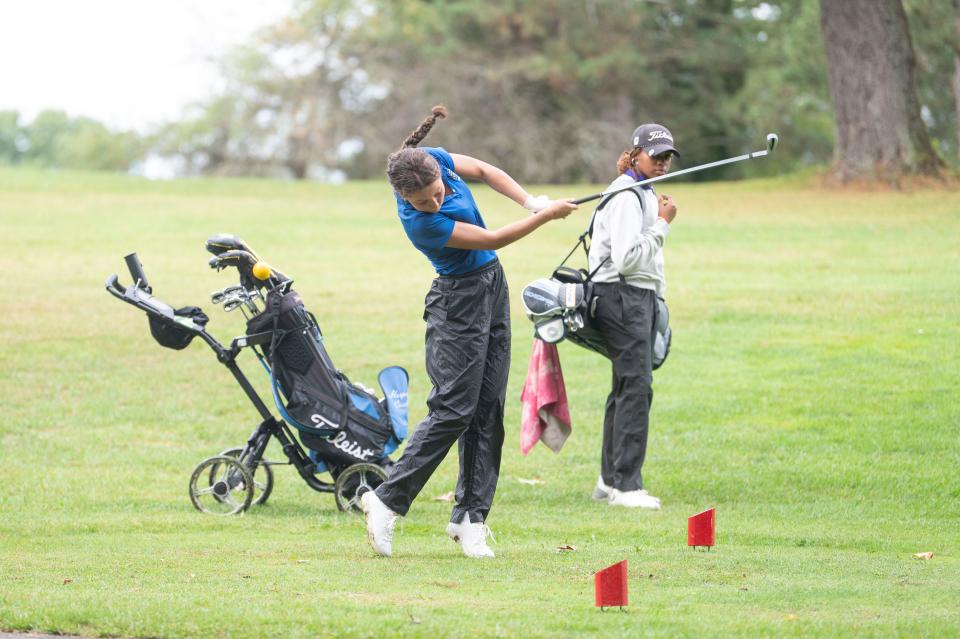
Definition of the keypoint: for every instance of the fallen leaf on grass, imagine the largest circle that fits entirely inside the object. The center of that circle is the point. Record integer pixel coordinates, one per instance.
(444, 497)
(791, 617)
(67, 581)
(445, 584)
(530, 482)
(566, 548)
(414, 619)
(923, 555)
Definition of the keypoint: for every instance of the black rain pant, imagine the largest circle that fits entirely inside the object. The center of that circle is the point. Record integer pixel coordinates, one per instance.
(626, 316)
(468, 360)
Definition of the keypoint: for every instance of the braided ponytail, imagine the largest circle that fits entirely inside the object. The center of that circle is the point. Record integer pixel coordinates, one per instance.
(411, 169)
(421, 131)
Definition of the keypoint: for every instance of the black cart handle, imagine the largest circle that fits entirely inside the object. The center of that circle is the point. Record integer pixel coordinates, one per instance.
(136, 272)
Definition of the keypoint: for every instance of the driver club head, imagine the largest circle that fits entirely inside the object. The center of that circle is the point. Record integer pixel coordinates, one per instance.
(772, 140)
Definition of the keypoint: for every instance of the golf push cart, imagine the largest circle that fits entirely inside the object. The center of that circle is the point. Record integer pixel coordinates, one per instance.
(344, 429)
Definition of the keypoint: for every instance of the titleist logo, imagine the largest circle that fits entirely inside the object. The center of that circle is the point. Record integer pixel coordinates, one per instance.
(656, 135)
(340, 440)
(351, 448)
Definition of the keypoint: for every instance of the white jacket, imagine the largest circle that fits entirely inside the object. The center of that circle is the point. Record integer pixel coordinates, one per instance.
(632, 238)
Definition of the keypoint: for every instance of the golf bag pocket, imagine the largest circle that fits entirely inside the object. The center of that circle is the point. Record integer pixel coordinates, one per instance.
(179, 331)
(393, 382)
(361, 440)
(663, 334)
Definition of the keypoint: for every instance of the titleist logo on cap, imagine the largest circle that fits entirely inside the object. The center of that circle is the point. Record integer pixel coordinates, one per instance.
(654, 135)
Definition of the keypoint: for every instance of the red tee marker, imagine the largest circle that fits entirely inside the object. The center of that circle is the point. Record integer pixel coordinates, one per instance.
(701, 529)
(610, 585)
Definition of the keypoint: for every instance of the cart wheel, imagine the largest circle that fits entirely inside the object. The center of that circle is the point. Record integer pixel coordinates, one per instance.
(262, 477)
(229, 492)
(353, 482)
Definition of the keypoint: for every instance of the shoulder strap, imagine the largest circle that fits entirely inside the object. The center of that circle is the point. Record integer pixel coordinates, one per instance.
(589, 232)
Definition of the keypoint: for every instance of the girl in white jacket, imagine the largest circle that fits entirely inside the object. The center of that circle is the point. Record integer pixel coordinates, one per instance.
(627, 249)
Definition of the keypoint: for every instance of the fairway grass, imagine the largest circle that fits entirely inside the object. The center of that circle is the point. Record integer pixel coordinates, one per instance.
(812, 396)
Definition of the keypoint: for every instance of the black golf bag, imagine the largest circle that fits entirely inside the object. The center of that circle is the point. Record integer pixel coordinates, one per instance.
(342, 422)
(563, 306)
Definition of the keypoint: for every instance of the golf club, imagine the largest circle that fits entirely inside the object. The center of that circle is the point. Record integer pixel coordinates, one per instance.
(772, 140)
(249, 298)
(218, 296)
(231, 305)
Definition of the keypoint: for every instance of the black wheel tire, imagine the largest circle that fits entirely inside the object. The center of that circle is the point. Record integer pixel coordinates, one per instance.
(353, 482)
(261, 489)
(218, 497)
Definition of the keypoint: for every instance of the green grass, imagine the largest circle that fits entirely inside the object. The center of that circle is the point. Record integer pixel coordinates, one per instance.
(811, 397)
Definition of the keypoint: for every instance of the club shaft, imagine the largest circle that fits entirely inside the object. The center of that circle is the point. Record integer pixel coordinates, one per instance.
(692, 169)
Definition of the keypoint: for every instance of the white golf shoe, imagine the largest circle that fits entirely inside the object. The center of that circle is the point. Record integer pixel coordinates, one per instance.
(633, 499)
(380, 522)
(471, 537)
(601, 492)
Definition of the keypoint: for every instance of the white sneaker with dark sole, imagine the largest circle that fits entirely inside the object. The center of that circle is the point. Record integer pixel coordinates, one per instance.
(471, 537)
(380, 522)
(601, 492)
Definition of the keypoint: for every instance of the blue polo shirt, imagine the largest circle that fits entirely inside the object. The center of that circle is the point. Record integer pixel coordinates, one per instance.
(430, 232)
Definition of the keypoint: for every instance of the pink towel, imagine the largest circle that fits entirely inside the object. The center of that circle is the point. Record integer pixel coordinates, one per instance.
(545, 415)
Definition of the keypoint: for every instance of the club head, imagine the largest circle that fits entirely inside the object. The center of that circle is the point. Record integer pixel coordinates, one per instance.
(772, 140)
(216, 297)
(231, 305)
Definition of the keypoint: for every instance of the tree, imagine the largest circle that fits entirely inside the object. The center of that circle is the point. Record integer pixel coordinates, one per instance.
(55, 140)
(956, 70)
(551, 90)
(935, 30)
(286, 107)
(43, 137)
(787, 90)
(10, 137)
(871, 65)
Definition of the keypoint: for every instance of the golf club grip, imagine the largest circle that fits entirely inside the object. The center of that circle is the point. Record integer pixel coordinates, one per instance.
(136, 271)
(588, 198)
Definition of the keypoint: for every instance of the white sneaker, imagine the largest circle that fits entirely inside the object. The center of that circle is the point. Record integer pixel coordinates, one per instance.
(380, 522)
(602, 491)
(633, 499)
(471, 537)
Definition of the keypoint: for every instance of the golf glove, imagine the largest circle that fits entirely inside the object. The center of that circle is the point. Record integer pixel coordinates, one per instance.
(536, 203)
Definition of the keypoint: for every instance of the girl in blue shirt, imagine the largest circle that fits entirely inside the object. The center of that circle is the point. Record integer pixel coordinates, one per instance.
(467, 313)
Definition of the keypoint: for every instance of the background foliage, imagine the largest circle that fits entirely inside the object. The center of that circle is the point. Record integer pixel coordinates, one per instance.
(548, 90)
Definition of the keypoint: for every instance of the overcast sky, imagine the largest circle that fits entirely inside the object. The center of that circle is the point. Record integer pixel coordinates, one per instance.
(127, 63)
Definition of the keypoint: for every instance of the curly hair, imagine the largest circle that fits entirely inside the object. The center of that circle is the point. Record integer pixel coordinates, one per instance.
(627, 159)
(411, 169)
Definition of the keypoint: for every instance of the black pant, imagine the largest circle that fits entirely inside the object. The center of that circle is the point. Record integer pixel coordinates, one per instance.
(468, 360)
(625, 315)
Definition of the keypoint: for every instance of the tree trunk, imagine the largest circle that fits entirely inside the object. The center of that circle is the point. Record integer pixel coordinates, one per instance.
(870, 59)
(956, 69)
